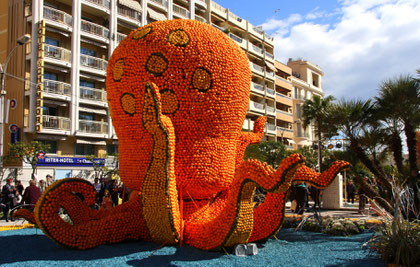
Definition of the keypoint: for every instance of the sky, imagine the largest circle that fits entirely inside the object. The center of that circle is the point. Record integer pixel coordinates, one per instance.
(357, 43)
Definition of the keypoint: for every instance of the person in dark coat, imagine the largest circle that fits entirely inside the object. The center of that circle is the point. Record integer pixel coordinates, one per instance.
(351, 191)
(32, 193)
(315, 192)
(9, 198)
(301, 196)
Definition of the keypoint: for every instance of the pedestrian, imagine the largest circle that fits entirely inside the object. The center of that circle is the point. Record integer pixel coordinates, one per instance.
(32, 194)
(351, 191)
(301, 196)
(97, 185)
(19, 187)
(49, 179)
(9, 198)
(106, 201)
(42, 185)
(315, 192)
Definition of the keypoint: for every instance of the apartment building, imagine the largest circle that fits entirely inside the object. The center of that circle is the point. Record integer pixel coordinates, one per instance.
(307, 81)
(62, 101)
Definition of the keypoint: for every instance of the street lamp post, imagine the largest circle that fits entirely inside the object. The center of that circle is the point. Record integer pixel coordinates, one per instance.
(19, 42)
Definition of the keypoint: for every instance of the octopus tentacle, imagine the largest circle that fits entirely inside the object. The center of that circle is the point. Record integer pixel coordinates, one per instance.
(159, 196)
(88, 227)
(234, 209)
(247, 138)
(320, 180)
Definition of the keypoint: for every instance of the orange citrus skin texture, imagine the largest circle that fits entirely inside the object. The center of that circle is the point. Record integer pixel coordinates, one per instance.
(178, 93)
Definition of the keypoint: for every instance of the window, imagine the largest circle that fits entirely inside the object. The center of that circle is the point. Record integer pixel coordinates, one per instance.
(85, 149)
(85, 116)
(50, 111)
(84, 83)
(87, 51)
(52, 41)
(297, 111)
(111, 149)
(50, 76)
(53, 146)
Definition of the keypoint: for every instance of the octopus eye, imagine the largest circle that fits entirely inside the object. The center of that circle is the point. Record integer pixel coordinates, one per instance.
(156, 64)
(128, 103)
(178, 38)
(201, 80)
(118, 70)
(142, 32)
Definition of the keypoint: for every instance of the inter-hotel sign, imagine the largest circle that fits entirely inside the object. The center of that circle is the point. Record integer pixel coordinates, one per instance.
(40, 75)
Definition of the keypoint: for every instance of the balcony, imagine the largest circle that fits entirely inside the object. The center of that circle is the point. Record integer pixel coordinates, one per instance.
(218, 27)
(270, 74)
(95, 31)
(257, 69)
(257, 88)
(270, 111)
(256, 50)
(269, 56)
(129, 15)
(256, 107)
(284, 116)
(200, 18)
(60, 18)
(162, 4)
(269, 39)
(270, 128)
(98, 5)
(93, 94)
(241, 23)
(202, 3)
(57, 88)
(181, 11)
(120, 37)
(58, 54)
(94, 63)
(219, 10)
(55, 123)
(93, 127)
(270, 93)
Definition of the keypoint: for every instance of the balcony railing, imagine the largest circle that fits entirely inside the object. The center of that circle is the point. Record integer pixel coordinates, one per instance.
(283, 79)
(218, 7)
(218, 27)
(270, 110)
(96, 127)
(163, 3)
(102, 3)
(284, 96)
(258, 67)
(94, 29)
(56, 87)
(258, 87)
(268, 37)
(92, 94)
(120, 37)
(284, 112)
(56, 52)
(129, 13)
(284, 129)
(200, 18)
(269, 55)
(181, 11)
(56, 123)
(271, 127)
(235, 38)
(258, 106)
(270, 92)
(235, 17)
(57, 15)
(260, 31)
(93, 62)
(257, 49)
(270, 73)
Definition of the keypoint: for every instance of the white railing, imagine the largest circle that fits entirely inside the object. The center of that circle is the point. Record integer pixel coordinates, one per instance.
(94, 29)
(218, 27)
(57, 15)
(218, 7)
(235, 17)
(271, 127)
(120, 37)
(283, 79)
(268, 37)
(284, 112)
(183, 12)
(56, 87)
(284, 129)
(235, 38)
(270, 92)
(284, 96)
(163, 3)
(55, 122)
(129, 13)
(200, 18)
(102, 3)
(258, 67)
(93, 94)
(256, 106)
(93, 62)
(269, 55)
(257, 49)
(270, 73)
(56, 52)
(87, 126)
(258, 87)
(260, 31)
(270, 110)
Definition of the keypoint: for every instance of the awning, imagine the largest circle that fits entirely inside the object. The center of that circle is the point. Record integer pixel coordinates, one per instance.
(156, 15)
(131, 4)
(291, 141)
(305, 143)
(91, 77)
(271, 66)
(91, 142)
(54, 103)
(88, 41)
(91, 110)
(56, 68)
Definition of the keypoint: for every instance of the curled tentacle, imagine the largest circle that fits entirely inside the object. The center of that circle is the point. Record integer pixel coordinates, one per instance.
(25, 214)
(320, 180)
(228, 220)
(87, 227)
(247, 138)
(159, 196)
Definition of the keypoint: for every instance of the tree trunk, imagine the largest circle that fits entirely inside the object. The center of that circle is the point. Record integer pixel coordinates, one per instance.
(410, 133)
(372, 194)
(319, 150)
(396, 147)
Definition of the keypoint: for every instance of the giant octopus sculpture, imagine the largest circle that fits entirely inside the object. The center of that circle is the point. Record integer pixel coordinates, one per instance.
(178, 93)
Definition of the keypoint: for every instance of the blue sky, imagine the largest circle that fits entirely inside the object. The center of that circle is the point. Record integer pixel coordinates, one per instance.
(357, 43)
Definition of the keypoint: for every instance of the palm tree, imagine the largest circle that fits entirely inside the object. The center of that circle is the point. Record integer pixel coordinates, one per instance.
(315, 111)
(399, 101)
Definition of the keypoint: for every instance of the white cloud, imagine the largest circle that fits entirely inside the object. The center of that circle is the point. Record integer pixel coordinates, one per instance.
(372, 40)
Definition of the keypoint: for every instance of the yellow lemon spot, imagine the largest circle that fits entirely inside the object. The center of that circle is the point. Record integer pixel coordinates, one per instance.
(142, 32)
(201, 80)
(128, 103)
(178, 37)
(118, 70)
(156, 64)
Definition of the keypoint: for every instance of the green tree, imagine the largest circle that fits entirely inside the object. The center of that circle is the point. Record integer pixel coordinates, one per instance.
(316, 111)
(103, 170)
(28, 153)
(270, 152)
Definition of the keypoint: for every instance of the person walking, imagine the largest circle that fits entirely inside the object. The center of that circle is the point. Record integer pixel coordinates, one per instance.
(351, 191)
(9, 198)
(301, 196)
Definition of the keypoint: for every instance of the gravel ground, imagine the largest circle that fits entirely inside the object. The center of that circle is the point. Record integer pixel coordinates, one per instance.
(30, 247)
